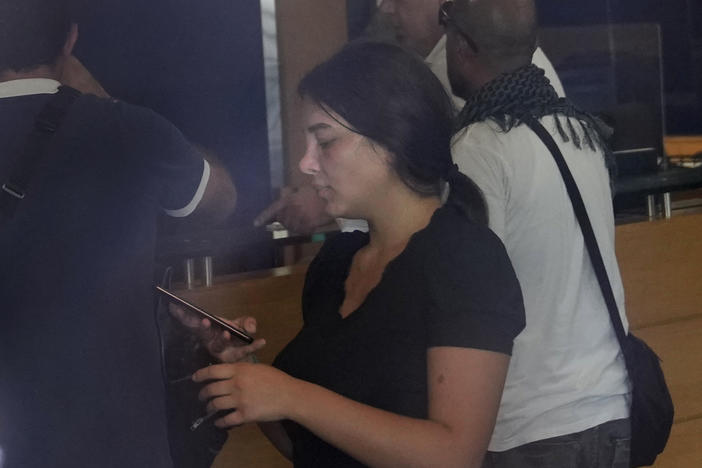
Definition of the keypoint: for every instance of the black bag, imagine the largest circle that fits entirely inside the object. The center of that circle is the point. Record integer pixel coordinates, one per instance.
(194, 442)
(651, 405)
(652, 409)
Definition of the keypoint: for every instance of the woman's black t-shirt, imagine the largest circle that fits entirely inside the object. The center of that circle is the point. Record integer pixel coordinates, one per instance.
(453, 285)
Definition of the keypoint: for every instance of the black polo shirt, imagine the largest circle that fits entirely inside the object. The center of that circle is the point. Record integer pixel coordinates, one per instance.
(80, 370)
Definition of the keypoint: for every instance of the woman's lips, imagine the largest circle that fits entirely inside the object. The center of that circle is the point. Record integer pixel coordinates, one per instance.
(324, 191)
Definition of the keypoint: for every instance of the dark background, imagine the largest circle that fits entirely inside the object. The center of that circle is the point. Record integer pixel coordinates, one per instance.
(199, 64)
(681, 33)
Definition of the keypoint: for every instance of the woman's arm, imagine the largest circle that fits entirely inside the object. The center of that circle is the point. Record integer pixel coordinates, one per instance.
(465, 386)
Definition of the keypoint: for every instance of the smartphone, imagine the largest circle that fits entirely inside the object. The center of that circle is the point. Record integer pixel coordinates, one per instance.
(240, 334)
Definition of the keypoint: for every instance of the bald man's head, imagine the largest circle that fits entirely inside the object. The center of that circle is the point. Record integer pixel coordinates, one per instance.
(504, 30)
(504, 37)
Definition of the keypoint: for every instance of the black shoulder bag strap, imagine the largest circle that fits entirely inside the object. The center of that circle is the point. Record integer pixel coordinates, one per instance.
(47, 122)
(652, 409)
(585, 226)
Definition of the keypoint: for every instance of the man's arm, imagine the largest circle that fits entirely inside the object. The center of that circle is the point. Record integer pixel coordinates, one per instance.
(219, 197)
(219, 200)
(299, 209)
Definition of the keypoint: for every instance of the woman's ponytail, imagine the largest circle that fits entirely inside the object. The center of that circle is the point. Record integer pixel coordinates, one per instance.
(465, 195)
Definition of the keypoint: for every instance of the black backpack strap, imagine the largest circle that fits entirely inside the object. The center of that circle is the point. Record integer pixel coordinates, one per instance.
(47, 122)
(585, 226)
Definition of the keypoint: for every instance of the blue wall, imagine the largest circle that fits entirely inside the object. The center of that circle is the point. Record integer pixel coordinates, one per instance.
(198, 63)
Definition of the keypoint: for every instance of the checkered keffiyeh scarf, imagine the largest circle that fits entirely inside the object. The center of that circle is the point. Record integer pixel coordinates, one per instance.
(510, 97)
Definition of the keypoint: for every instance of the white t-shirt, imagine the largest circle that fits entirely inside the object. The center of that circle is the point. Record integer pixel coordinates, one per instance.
(566, 373)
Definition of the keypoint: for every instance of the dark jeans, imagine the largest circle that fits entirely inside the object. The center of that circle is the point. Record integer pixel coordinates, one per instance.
(603, 446)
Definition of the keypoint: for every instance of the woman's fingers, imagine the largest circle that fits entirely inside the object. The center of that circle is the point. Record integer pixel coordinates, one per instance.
(236, 353)
(246, 323)
(223, 403)
(215, 372)
(235, 418)
(216, 389)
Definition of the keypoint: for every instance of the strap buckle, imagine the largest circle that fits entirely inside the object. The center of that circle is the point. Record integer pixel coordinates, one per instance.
(13, 190)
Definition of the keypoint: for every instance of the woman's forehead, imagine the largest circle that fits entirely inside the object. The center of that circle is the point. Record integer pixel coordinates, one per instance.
(319, 117)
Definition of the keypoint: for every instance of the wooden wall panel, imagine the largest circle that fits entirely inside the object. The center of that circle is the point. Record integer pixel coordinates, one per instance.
(661, 260)
(309, 31)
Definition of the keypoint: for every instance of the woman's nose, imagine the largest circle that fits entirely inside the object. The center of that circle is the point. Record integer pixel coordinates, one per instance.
(309, 164)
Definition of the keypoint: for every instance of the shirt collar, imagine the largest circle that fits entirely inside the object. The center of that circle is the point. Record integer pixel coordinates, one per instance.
(437, 51)
(28, 86)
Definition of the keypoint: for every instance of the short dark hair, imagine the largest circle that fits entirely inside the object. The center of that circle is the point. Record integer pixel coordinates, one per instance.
(391, 97)
(32, 32)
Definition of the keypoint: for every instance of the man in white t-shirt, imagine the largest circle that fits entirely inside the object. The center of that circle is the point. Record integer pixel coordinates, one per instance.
(565, 401)
(415, 25)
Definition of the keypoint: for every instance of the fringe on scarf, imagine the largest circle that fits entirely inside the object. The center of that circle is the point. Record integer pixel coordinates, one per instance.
(509, 98)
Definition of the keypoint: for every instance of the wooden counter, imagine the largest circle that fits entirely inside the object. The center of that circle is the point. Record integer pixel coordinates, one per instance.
(661, 266)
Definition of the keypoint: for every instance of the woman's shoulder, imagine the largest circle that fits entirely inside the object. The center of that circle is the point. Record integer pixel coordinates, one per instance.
(457, 250)
(450, 230)
(469, 277)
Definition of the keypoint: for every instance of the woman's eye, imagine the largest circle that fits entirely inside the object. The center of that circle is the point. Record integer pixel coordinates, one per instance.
(325, 143)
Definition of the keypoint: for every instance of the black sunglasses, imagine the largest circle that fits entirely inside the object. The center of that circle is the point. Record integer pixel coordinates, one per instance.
(445, 20)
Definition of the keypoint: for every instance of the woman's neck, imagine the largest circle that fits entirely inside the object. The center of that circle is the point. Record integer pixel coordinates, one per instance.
(390, 229)
(393, 221)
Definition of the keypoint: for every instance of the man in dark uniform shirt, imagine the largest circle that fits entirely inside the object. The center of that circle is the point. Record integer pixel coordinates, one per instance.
(80, 368)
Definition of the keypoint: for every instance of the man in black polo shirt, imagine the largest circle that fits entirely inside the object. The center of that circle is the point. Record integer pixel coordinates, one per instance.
(80, 370)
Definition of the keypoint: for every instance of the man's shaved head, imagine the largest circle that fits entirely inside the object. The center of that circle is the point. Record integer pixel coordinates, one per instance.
(504, 33)
(504, 30)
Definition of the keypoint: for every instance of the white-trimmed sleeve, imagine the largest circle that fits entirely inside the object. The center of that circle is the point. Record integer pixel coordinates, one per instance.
(197, 197)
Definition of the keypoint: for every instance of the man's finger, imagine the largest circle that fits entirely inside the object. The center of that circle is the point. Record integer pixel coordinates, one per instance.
(270, 213)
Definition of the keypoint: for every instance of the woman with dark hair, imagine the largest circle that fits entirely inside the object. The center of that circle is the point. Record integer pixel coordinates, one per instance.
(407, 328)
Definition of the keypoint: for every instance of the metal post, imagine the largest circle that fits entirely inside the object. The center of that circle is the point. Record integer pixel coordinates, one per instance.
(207, 271)
(651, 206)
(667, 208)
(189, 267)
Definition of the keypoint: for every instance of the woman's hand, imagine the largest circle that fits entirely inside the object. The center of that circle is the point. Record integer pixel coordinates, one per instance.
(256, 392)
(219, 342)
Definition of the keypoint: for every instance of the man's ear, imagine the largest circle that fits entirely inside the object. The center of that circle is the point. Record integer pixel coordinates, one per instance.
(71, 39)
